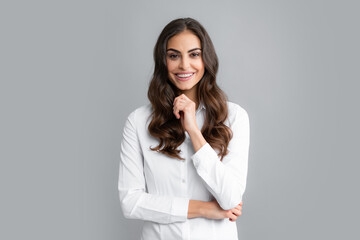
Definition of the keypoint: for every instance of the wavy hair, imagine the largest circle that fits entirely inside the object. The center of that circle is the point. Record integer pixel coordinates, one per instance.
(161, 93)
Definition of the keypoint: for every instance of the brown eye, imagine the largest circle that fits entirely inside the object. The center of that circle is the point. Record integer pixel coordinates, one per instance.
(195, 54)
(173, 56)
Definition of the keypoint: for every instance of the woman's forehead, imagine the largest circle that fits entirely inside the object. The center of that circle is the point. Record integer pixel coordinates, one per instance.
(184, 41)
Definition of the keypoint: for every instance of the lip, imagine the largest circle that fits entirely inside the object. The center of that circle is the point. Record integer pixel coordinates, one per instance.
(184, 79)
(184, 72)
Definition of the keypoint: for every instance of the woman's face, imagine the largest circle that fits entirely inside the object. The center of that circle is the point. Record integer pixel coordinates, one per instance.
(184, 61)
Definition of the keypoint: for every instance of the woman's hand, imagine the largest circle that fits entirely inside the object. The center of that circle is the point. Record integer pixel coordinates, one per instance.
(214, 211)
(184, 109)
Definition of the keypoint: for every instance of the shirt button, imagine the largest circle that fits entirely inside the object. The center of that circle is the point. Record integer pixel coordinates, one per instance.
(183, 180)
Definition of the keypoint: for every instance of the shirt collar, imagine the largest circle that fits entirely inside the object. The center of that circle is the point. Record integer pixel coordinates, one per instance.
(201, 106)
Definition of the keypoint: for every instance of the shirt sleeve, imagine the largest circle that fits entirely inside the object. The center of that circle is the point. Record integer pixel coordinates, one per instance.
(226, 180)
(135, 202)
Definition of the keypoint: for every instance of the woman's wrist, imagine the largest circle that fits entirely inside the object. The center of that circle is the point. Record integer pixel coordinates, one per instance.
(197, 139)
(197, 208)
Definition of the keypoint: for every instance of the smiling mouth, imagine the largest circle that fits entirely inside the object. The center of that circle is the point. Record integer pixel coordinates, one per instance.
(184, 77)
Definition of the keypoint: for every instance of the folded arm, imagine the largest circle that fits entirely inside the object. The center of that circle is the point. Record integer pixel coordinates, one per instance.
(226, 180)
(135, 202)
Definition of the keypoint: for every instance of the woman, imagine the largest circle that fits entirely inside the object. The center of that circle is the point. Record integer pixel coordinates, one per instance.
(184, 156)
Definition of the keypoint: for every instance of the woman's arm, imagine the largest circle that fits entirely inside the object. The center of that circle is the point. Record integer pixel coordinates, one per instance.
(226, 180)
(212, 210)
(135, 202)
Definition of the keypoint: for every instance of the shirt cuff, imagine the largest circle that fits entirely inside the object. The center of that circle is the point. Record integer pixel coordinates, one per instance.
(179, 209)
(203, 156)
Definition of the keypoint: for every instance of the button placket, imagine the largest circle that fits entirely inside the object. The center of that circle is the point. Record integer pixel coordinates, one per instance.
(184, 170)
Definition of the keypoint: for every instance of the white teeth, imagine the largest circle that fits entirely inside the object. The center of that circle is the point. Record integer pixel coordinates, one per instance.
(184, 75)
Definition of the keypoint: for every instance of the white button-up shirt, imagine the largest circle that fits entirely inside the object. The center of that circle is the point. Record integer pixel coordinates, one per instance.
(157, 189)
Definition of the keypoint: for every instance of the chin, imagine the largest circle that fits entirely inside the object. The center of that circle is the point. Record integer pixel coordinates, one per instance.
(184, 86)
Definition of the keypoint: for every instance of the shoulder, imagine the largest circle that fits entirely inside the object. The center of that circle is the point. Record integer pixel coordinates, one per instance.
(140, 114)
(236, 110)
(237, 116)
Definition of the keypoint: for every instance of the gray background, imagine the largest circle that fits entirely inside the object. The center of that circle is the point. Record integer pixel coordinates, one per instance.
(72, 71)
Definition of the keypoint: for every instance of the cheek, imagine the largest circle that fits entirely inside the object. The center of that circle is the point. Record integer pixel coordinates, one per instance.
(170, 66)
(201, 69)
(200, 66)
(199, 63)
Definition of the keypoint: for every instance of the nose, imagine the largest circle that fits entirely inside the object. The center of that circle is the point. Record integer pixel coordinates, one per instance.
(184, 63)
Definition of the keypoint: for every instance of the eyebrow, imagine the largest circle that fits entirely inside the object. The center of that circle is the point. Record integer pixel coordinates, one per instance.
(171, 49)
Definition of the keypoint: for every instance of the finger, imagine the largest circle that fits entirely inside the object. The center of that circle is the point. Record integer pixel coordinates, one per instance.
(178, 98)
(176, 112)
(233, 217)
(239, 207)
(230, 214)
(241, 203)
(175, 100)
(180, 101)
(236, 212)
(179, 108)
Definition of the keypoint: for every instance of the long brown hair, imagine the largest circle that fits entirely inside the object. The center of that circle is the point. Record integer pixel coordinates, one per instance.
(161, 93)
